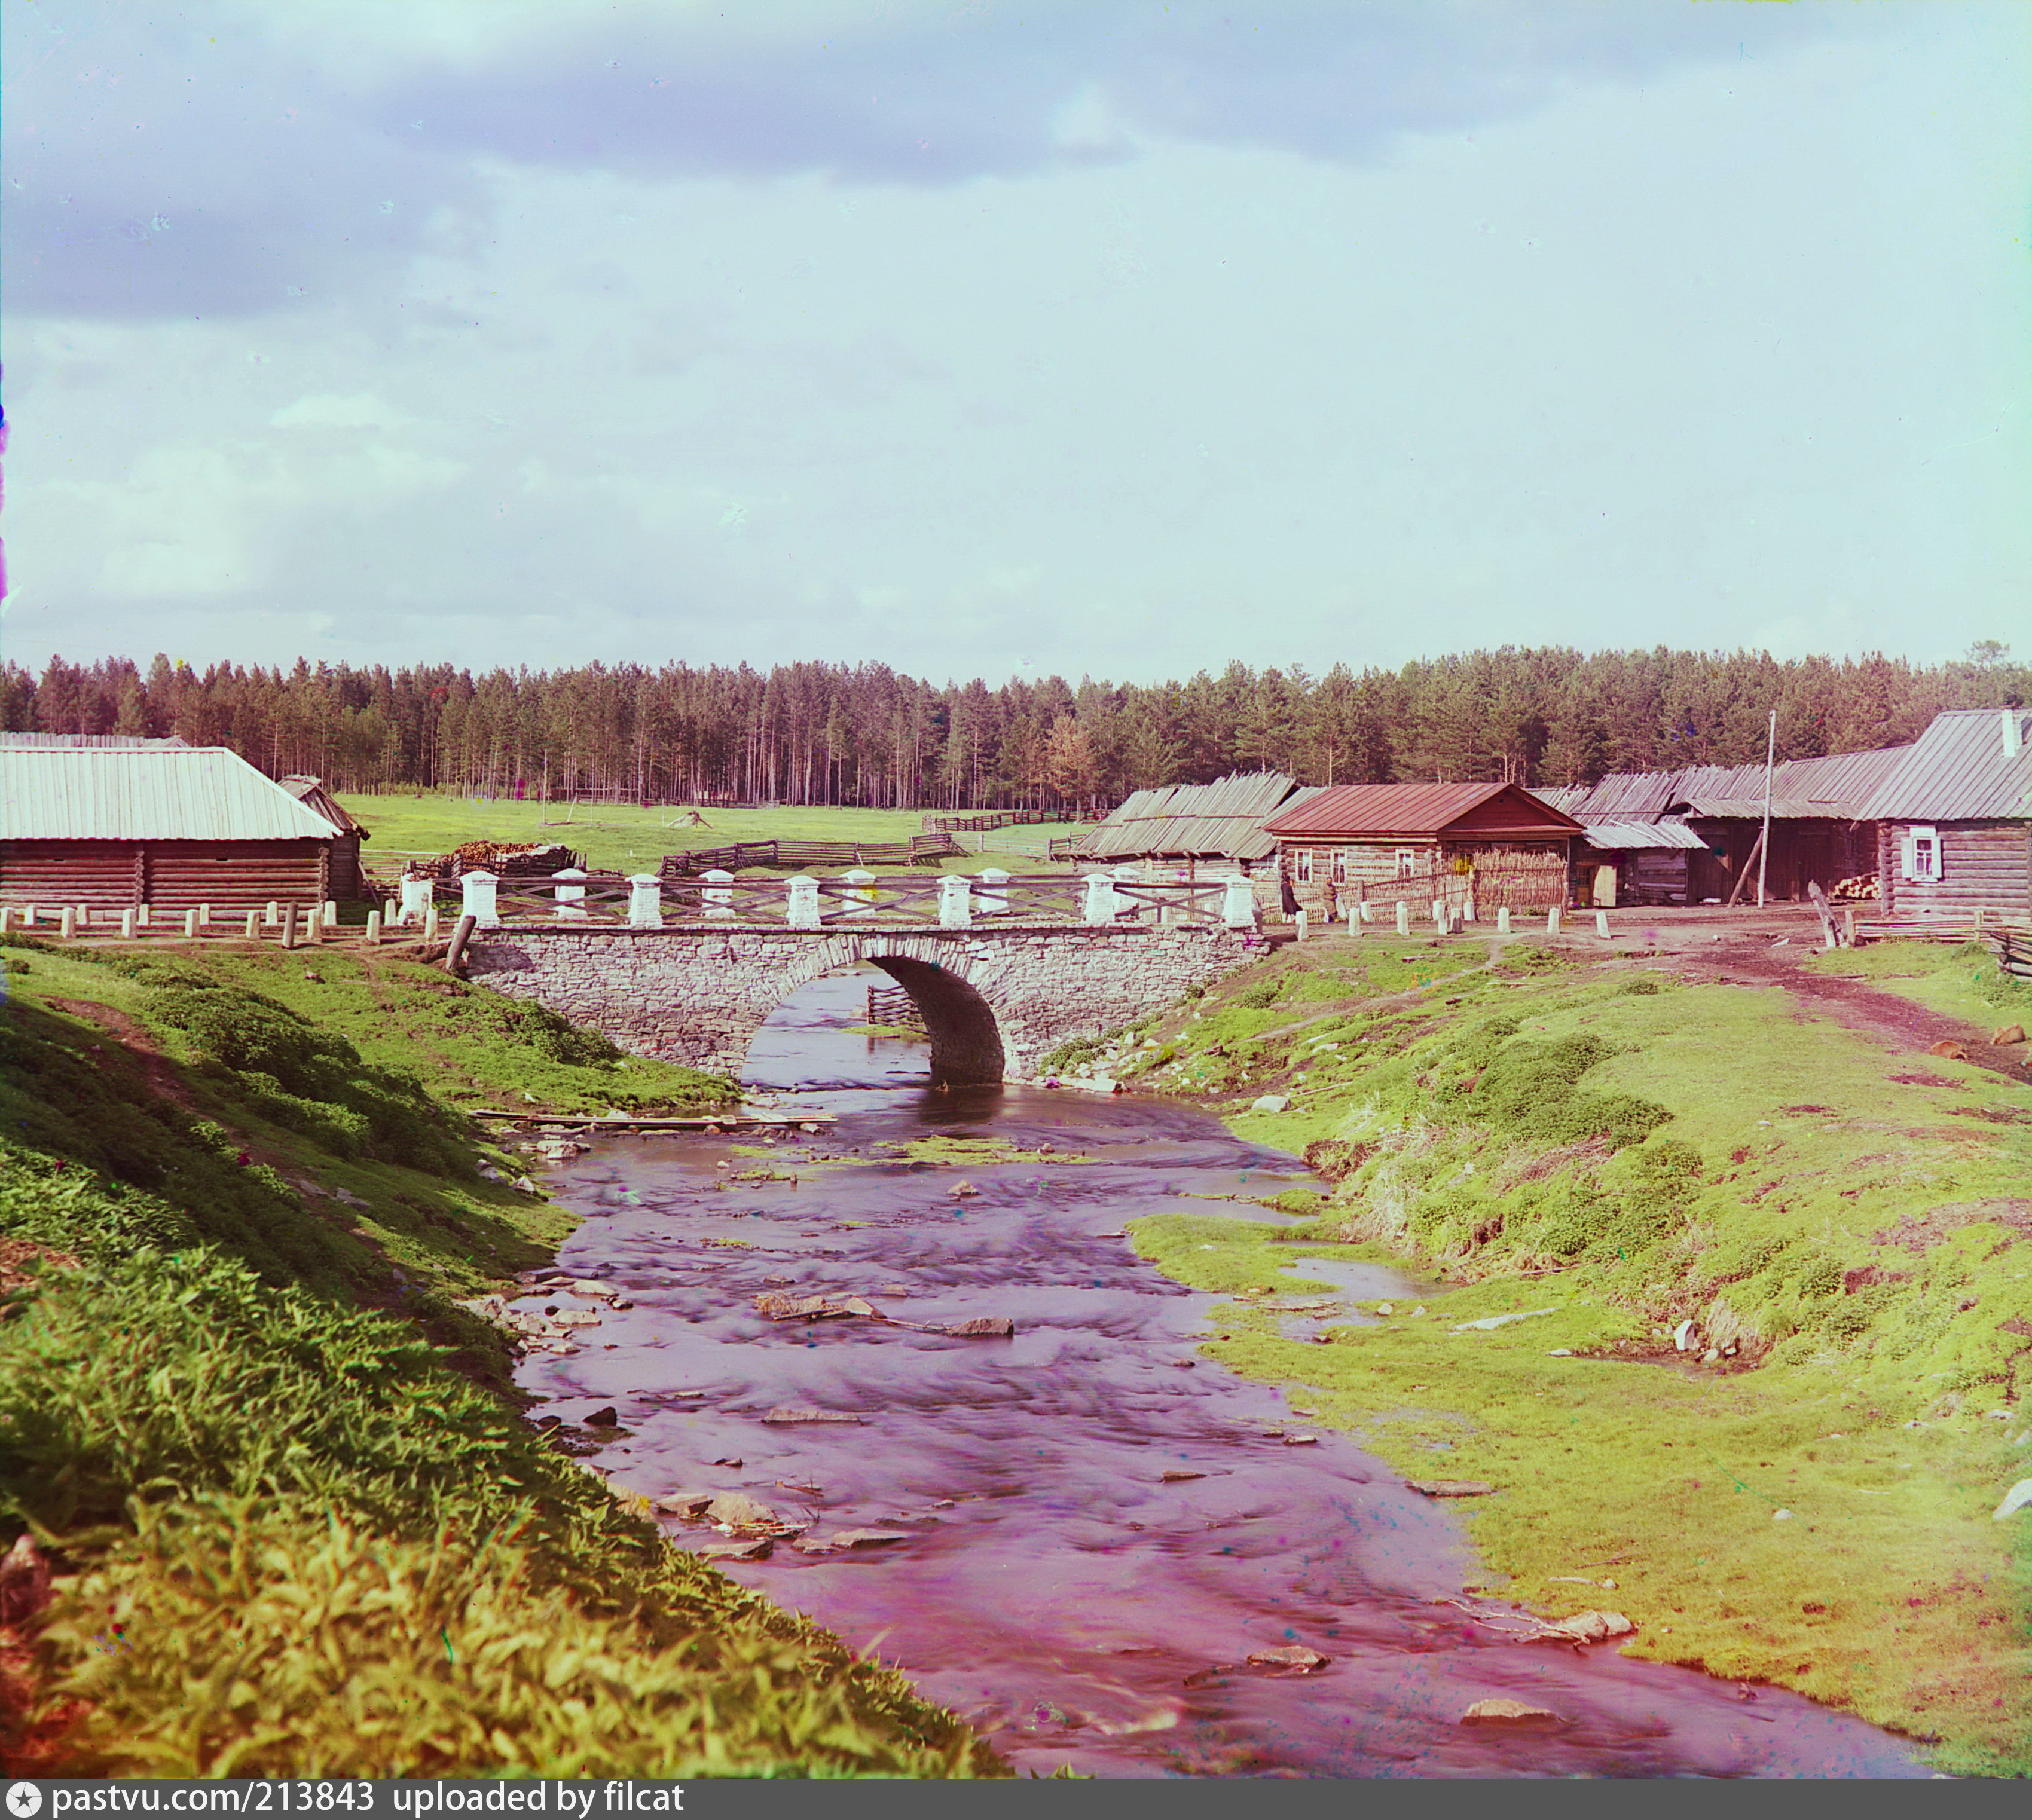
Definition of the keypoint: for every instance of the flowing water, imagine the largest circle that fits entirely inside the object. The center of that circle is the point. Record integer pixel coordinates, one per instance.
(1049, 1581)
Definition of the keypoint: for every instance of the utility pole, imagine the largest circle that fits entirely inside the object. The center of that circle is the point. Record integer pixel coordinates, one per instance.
(1763, 843)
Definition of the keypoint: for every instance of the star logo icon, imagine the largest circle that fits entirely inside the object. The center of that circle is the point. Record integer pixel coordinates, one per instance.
(24, 1800)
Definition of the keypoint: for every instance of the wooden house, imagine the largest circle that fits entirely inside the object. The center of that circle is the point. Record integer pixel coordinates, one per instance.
(1423, 844)
(1953, 821)
(114, 825)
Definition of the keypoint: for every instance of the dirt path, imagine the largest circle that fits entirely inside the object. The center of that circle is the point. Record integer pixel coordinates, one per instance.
(1770, 948)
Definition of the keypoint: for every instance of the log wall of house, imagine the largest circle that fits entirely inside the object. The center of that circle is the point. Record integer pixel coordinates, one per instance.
(171, 875)
(1525, 877)
(1985, 866)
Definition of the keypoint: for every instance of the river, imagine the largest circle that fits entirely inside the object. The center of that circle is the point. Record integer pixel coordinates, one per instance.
(1051, 1583)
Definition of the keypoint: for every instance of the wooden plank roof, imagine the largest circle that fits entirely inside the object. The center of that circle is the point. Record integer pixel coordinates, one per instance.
(1423, 810)
(1222, 820)
(1961, 771)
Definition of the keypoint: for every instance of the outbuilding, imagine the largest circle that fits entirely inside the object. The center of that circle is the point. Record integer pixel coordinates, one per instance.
(1953, 822)
(112, 824)
(1188, 830)
(1496, 845)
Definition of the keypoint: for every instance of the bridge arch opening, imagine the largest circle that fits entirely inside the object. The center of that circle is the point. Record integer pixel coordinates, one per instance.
(966, 1041)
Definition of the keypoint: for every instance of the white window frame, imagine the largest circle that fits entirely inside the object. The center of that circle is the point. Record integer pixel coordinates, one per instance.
(1407, 862)
(1922, 855)
(1339, 874)
(1301, 865)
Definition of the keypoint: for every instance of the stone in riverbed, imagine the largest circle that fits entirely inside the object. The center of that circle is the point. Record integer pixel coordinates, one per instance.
(1270, 1103)
(1511, 1712)
(1450, 1487)
(798, 1412)
(1294, 1656)
(1588, 1627)
(737, 1510)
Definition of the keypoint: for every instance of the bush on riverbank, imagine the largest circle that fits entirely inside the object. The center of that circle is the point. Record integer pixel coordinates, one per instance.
(291, 1538)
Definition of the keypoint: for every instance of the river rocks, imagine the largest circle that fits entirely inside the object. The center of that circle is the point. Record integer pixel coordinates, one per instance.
(758, 1548)
(773, 1306)
(982, 1327)
(1489, 1323)
(1513, 1713)
(1270, 1103)
(608, 1418)
(1450, 1487)
(1178, 1475)
(2011, 1033)
(737, 1510)
(1948, 1049)
(577, 1317)
(2018, 1497)
(1682, 1336)
(1302, 1441)
(868, 1538)
(685, 1503)
(1295, 1656)
(788, 1413)
(1586, 1628)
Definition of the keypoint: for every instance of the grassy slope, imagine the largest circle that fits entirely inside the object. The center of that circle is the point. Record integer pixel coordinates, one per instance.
(327, 1552)
(615, 836)
(1788, 1159)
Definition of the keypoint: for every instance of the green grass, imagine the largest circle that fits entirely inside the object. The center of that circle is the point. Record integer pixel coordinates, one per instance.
(237, 1403)
(619, 837)
(1962, 979)
(1551, 1136)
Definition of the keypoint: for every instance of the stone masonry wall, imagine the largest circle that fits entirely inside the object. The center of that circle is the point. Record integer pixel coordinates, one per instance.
(697, 996)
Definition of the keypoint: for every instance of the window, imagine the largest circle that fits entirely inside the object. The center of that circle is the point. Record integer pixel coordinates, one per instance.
(1407, 862)
(1301, 865)
(1922, 855)
(1340, 865)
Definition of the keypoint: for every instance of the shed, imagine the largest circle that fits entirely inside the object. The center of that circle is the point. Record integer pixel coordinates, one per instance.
(1820, 830)
(345, 878)
(114, 826)
(1497, 843)
(1181, 826)
(1953, 820)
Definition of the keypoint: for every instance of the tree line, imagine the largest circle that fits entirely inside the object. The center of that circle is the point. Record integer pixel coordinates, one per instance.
(864, 735)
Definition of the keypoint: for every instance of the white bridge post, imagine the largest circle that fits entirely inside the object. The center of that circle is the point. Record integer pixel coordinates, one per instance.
(1099, 908)
(718, 895)
(479, 900)
(860, 886)
(415, 902)
(993, 892)
(1403, 917)
(645, 901)
(803, 910)
(1128, 875)
(568, 897)
(1237, 902)
(955, 901)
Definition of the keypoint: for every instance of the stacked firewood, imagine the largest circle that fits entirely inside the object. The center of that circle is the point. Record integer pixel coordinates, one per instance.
(1858, 889)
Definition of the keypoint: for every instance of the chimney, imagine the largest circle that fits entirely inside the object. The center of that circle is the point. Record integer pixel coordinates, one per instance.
(2007, 720)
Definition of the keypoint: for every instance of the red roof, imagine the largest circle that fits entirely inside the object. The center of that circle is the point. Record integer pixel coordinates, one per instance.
(1455, 811)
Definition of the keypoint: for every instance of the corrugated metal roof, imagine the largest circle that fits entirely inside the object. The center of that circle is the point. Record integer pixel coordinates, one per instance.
(1628, 836)
(1958, 771)
(1389, 809)
(83, 740)
(314, 796)
(1223, 820)
(145, 794)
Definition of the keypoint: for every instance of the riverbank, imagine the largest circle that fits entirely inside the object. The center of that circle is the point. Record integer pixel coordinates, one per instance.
(1607, 1148)
(246, 1423)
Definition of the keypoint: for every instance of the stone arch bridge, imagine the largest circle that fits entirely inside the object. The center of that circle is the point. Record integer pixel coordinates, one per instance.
(995, 1000)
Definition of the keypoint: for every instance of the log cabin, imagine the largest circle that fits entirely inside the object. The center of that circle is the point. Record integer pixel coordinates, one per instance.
(114, 825)
(1953, 822)
(1495, 844)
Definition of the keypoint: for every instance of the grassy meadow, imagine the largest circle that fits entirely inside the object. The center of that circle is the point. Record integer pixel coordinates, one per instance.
(1608, 1149)
(621, 837)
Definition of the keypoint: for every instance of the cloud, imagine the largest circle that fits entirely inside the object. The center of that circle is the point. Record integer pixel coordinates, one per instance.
(235, 159)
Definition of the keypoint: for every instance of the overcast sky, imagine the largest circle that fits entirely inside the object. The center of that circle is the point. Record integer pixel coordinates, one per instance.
(988, 339)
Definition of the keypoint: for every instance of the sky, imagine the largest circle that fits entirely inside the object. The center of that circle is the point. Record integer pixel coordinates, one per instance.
(1107, 337)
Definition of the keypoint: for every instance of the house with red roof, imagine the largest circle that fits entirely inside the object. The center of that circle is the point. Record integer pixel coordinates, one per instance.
(1496, 845)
